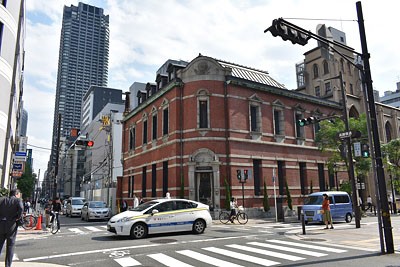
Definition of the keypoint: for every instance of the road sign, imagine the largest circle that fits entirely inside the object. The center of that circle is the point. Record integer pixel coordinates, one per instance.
(344, 135)
(357, 149)
(20, 156)
(17, 166)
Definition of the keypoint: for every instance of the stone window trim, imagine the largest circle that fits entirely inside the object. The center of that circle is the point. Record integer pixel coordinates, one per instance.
(203, 96)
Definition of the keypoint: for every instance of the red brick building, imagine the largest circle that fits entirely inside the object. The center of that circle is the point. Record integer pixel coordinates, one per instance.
(204, 121)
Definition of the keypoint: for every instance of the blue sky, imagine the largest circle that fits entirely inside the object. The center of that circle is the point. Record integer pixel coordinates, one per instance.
(144, 34)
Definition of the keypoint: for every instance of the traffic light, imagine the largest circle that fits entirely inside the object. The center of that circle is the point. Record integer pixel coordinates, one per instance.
(307, 121)
(88, 143)
(246, 174)
(239, 174)
(288, 32)
(365, 151)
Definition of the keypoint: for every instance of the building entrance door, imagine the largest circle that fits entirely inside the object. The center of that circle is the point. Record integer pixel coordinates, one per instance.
(204, 188)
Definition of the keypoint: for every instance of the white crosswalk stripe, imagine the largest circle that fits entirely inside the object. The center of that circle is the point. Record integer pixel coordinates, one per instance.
(127, 262)
(93, 229)
(207, 259)
(76, 230)
(295, 250)
(327, 249)
(266, 252)
(168, 261)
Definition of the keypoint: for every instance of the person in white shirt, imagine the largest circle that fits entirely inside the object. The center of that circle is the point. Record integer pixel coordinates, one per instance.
(233, 206)
(390, 201)
(135, 201)
(369, 203)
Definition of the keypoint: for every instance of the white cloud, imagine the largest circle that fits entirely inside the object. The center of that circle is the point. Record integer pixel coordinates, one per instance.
(144, 34)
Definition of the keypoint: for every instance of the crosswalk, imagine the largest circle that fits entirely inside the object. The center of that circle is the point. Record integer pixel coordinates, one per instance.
(266, 253)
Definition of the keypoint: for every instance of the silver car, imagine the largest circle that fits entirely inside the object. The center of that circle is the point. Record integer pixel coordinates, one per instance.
(95, 210)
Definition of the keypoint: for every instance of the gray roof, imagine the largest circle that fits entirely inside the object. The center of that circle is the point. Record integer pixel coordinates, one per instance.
(258, 76)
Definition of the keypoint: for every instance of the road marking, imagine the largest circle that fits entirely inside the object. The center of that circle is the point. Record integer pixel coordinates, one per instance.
(127, 262)
(168, 261)
(207, 259)
(266, 252)
(241, 256)
(328, 249)
(295, 250)
(76, 230)
(93, 229)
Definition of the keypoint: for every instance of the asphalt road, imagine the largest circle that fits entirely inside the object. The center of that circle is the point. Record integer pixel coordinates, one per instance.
(259, 243)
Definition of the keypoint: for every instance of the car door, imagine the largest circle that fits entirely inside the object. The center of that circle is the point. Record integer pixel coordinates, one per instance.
(185, 215)
(162, 221)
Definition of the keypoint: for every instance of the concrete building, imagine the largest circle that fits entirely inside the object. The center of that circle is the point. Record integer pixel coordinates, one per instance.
(12, 40)
(83, 62)
(391, 98)
(210, 119)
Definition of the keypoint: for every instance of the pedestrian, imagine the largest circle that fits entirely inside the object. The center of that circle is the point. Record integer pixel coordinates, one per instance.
(390, 202)
(135, 201)
(326, 210)
(47, 212)
(233, 206)
(11, 209)
(141, 201)
(124, 205)
(369, 203)
(167, 195)
(28, 205)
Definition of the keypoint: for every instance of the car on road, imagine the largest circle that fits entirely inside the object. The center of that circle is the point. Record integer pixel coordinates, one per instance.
(74, 206)
(161, 216)
(95, 210)
(340, 205)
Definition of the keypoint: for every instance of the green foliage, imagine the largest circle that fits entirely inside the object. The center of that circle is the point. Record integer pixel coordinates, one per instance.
(328, 142)
(391, 157)
(26, 183)
(346, 186)
(3, 192)
(227, 196)
(289, 197)
(265, 199)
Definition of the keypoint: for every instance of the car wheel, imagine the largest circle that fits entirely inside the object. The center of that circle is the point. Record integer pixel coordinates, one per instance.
(348, 217)
(139, 230)
(199, 226)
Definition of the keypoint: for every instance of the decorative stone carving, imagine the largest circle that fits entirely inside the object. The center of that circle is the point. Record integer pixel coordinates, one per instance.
(202, 68)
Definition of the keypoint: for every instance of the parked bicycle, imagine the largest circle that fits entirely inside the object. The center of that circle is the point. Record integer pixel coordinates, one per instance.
(29, 221)
(241, 216)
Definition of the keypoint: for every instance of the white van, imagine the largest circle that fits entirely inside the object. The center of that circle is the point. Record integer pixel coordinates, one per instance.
(74, 206)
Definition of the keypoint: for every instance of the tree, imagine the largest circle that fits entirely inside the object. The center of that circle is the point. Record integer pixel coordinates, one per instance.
(391, 152)
(328, 142)
(289, 197)
(26, 183)
(265, 199)
(227, 196)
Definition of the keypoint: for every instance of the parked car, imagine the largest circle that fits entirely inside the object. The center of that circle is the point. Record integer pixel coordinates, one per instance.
(161, 216)
(340, 205)
(92, 210)
(74, 206)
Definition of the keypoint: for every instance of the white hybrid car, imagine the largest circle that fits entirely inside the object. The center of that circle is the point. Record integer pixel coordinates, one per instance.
(161, 216)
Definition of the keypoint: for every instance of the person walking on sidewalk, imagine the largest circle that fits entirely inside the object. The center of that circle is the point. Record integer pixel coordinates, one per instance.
(11, 209)
(326, 210)
(369, 203)
(47, 210)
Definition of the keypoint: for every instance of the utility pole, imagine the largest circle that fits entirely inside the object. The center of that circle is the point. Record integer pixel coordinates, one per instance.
(57, 155)
(387, 226)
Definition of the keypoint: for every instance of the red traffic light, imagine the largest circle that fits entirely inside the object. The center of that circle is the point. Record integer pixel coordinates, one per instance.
(90, 143)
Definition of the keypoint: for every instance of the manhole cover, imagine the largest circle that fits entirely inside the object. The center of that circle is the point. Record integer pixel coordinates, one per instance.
(313, 239)
(163, 241)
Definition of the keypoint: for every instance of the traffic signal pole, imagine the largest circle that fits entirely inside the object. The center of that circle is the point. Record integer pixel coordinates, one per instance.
(387, 226)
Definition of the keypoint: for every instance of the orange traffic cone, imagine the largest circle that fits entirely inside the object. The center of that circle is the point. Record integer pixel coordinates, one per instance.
(30, 222)
(39, 223)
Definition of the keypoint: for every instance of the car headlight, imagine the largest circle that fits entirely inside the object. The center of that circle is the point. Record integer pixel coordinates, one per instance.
(125, 219)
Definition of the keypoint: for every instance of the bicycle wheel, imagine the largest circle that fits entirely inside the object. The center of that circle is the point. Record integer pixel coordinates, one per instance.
(242, 217)
(224, 217)
(29, 222)
(54, 227)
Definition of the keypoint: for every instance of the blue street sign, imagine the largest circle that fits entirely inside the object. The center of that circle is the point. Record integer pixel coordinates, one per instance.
(20, 154)
(17, 166)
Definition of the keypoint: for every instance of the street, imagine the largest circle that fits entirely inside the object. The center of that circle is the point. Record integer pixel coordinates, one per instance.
(256, 244)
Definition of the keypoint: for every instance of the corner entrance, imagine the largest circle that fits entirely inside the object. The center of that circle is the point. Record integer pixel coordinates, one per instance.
(204, 187)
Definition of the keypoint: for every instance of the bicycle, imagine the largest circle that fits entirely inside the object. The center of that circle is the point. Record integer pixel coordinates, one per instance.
(29, 221)
(54, 225)
(241, 216)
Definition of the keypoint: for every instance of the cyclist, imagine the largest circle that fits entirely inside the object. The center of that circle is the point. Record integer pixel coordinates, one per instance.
(56, 209)
(233, 206)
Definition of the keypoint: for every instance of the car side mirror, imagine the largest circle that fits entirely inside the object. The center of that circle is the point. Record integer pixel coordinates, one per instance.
(154, 212)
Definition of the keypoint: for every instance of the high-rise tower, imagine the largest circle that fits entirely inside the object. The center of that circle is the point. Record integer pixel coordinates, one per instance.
(83, 61)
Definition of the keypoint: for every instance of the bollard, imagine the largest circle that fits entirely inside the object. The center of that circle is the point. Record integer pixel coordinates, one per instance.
(303, 223)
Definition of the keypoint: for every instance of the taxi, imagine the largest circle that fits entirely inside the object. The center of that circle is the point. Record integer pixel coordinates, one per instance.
(161, 216)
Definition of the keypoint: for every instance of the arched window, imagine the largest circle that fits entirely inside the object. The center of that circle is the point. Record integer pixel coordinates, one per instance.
(315, 70)
(326, 67)
(342, 65)
(388, 131)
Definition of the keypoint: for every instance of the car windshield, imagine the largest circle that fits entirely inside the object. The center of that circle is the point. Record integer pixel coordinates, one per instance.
(145, 206)
(313, 200)
(78, 201)
(98, 204)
